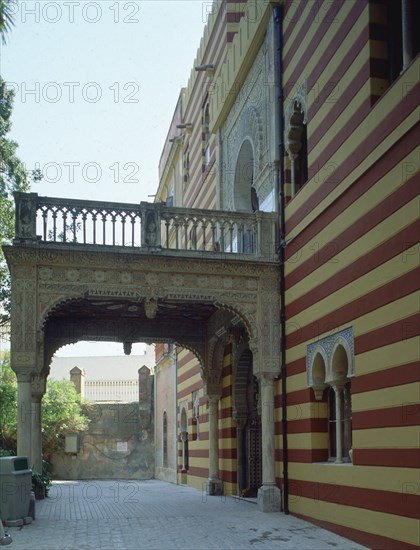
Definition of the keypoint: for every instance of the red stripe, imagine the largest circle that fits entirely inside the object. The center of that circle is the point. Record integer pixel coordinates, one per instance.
(226, 433)
(306, 456)
(227, 391)
(395, 332)
(300, 396)
(296, 367)
(197, 453)
(304, 425)
(387, 378)
(229, 454)
(405, 503)
(395, 458)
(228, 476)
(407, 414)
(198, 472)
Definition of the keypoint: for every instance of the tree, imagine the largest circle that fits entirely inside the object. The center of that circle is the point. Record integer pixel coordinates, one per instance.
(6, 17)
(8, 405)
(13, 174)
(62, 411)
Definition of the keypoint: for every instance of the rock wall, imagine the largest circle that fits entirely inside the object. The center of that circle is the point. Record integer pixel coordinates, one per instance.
(117, 445)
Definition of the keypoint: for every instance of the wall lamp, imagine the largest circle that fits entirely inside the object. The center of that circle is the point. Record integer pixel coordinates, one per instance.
(208, 68)
(187, 126)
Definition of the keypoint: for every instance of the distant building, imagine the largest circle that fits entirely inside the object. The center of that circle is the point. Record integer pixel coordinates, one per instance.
(108, 378)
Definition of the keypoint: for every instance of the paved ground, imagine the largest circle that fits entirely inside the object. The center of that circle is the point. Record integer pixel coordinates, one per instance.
(132, 515)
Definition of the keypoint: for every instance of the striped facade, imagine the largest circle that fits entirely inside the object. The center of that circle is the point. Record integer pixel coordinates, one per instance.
(351, 251)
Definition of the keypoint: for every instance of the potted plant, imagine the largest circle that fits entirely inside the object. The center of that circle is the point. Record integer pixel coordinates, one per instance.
(41, 482)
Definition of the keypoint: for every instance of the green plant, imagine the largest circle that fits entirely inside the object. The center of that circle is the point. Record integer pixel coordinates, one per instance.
(42, 480)
(7, 452)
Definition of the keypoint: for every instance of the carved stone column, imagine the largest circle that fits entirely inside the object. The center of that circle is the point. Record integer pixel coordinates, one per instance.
(215, 484)
(36, 434)
(38, 388)
(24, 415)
(268, 494)
(338, 389)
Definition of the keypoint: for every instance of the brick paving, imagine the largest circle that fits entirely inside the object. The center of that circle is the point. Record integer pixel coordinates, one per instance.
(132, 515)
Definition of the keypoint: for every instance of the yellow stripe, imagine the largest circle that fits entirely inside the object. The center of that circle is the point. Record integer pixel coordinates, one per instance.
(387, 438)
(312, 440)
(377, 523)
(389, 356)
(399, 397)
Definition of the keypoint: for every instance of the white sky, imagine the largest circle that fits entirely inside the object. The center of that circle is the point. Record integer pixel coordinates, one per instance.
(105, 78)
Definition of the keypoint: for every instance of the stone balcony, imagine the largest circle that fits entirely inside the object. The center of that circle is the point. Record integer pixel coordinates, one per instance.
(146, 228)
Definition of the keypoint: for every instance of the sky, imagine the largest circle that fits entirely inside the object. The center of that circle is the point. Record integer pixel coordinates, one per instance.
(96, 84)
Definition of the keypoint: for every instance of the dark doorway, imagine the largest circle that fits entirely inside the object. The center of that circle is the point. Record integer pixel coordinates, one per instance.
(248, 431)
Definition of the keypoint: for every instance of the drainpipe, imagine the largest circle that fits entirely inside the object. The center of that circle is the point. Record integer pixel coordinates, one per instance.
(278, 18)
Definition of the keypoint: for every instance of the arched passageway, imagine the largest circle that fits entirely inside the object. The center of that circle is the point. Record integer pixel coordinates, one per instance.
(197, 297)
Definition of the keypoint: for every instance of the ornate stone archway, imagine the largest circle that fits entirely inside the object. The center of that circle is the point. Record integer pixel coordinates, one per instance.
(63, 292)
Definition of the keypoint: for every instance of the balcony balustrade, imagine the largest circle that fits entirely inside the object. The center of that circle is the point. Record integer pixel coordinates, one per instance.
(148, 227)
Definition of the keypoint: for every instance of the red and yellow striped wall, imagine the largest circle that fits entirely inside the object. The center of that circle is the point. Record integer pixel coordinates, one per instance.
(353, 261)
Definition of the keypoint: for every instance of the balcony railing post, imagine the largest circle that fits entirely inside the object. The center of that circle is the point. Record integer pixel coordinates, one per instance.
(150, 226)
(25, 215)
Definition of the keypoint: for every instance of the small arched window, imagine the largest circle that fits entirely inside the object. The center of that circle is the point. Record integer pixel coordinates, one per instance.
(296, 139)
(330, 365)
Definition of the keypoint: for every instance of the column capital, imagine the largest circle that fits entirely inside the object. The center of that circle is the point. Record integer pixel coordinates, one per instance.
(212, 384)
(266, 378)
(38, 386)
(214, 398)
(338, 385)
(23, 375)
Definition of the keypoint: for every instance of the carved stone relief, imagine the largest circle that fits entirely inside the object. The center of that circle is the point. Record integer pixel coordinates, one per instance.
(252, 118)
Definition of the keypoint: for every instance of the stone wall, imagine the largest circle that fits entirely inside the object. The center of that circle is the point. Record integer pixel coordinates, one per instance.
(119, 443)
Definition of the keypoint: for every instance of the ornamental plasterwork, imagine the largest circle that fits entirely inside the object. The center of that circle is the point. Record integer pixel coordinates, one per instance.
(46, 279)
(326, 348)
(251, 117)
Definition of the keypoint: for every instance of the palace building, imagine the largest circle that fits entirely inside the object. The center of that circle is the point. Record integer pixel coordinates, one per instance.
(277, 270)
